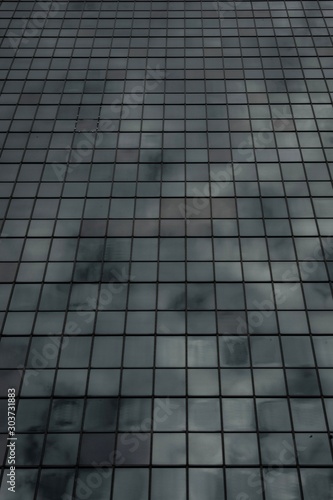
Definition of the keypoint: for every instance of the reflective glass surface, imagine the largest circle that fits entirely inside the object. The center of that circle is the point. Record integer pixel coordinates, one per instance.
(166, 257)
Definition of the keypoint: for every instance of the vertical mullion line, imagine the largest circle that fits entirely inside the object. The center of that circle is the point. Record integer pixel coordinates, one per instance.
(157, 266)
(48, 416)
(223, 466)
(293, 435)
(254, 397)
(92, 334)
(30, 335)
(326, 268)
(186, 221)
(185, 255)
(112, 466)
(130, 257)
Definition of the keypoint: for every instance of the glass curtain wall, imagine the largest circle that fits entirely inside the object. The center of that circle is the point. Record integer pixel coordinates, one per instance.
(166, 253)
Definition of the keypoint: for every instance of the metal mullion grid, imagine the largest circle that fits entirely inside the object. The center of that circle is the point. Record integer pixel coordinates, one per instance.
(92, 335)
(3, 38)
(324, 259)
(86, 58)
(38, 303)
(169, 466)
(220, 397)
(120, 396)
(61, 336)
(301, 280)
(293, 435)
(314, 16)
(79, 466)
(20, 259)
(311, 104)
(288, 397)
(282, 355)
(12, 120)
(186, 221)
(254, 397)
(186, 397)
(326, 161)
(296, 47)
(310, 335)
(64, 182)
(41, 467)
(324, 78)
(25, 238)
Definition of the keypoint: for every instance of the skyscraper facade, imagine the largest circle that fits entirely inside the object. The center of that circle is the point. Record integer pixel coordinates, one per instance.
(166, 250)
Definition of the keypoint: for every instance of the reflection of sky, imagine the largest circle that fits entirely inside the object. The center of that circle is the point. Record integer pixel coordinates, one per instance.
(280, 168)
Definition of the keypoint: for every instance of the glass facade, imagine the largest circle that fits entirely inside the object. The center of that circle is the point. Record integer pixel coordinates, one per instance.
(166, 252)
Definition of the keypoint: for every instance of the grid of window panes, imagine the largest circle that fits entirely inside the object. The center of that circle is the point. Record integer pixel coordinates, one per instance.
(166, 250)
